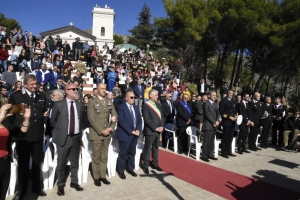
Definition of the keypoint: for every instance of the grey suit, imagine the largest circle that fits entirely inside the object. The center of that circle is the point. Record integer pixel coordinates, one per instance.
(211, 116)
(67, 146)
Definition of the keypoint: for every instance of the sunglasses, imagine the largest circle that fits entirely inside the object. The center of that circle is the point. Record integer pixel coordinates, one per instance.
(73, 89)
(131, 97)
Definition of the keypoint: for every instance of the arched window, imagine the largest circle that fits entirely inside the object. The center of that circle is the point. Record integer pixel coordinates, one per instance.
(102, 31)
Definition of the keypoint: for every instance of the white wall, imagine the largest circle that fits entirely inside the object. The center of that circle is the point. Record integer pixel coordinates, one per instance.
(103, 17)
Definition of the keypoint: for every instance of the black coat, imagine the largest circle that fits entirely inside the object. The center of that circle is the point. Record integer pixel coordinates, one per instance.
(255, 112)
(227, 109)
(183, 115)
(242, 110)
(38, 107)
(266, 120)
(198, 111)
(169, 117)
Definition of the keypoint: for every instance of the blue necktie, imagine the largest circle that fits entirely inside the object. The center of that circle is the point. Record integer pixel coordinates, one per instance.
(133, 118)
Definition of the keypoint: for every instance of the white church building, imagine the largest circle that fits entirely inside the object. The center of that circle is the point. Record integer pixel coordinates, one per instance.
(102, 30)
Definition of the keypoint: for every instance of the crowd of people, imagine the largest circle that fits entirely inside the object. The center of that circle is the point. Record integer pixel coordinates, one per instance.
(134, 90)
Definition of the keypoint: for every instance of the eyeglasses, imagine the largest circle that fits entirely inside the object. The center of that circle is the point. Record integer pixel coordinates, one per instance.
(131, 97)
(73, 89)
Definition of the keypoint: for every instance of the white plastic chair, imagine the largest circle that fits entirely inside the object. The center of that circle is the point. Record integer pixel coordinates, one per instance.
(52, 163)
(174, 140)
(216, 148)
(113, 153)
(256, 143)
(193, 140)
(86, 153)
(139, 150)
(14, 170)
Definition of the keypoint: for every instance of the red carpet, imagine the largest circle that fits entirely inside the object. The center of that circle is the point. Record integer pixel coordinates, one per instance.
(224, 183)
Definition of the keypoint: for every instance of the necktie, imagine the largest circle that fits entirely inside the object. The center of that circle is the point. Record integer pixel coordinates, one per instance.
(102, 101)
(72, 119)
(133, 118)
(32, 96)
(170, 105)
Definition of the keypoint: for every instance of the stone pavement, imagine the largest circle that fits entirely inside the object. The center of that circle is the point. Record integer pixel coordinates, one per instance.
(269, 165)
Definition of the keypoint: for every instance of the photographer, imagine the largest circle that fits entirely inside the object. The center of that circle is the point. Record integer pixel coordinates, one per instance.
(6, 130)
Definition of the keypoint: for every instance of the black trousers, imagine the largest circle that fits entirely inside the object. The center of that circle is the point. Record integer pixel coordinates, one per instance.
(25, 150)
(277, 126)
(182, 138)
(241, 142)
(151, 143)
(254, 130)
(70, 150)
(208, 142)
(264, 136)
(227, 137)
(4, 176)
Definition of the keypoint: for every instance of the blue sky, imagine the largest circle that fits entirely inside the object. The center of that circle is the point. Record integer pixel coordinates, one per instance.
(38, 16)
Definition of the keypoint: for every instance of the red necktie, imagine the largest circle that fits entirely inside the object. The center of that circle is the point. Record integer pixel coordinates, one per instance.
(72, 120)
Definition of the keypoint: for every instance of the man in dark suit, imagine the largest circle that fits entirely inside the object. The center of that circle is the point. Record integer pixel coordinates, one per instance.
(184, 119)
(198, 113)
(139, 93)
(54, 75)
(202, 87)
(243, 109)
(128, 130)
(153, 127)
(126, 87)
(279, 113)
(58, 85)
(255, 116)
(211, 122)
(32, 143)
(168, 110)
(228, 113)
(66, 122)
(266, 121)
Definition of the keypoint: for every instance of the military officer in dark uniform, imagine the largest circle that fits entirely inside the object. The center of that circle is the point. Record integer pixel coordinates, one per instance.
(255, 116)
(266, 121)
(32, 143)
(228, 112)
(279, 116)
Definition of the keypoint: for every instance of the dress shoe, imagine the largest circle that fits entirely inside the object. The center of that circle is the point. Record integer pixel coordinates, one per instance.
(76, 187)
(240, 152)
(156, 167)
(246, 151)
(97, 182)
(105, 181)
(258, 148)
(40, 193)
(60, 191)
(179, 152)
(122, 175)
(205, 159)
(224, 155)
(19, 196)
(146, 171)
(252, 149)
(212, 157)
(264, 147)
(132, 173)
(232, 155)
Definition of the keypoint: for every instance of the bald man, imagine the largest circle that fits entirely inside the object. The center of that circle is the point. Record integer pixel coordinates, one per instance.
(102, 117)
(66, 123)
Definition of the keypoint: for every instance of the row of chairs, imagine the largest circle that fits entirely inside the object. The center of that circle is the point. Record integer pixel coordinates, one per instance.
(193, 141)
(50, 161)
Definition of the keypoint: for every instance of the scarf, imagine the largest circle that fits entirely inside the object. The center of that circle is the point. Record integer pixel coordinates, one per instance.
(186, 107)
(154, 108)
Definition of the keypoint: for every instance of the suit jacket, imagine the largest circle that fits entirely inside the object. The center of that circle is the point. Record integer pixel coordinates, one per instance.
(124, 88)
(151, 120)
(199, 87)
(36, 129)
(279, 111)
(242, 110)
(125, 122)
(198, 111)
(211, 116)
(255, 112)
(39, 77)
(168, 115)
(183, 115)
(227, 109)
(98, 116)
(138, 92)
(60, 120)
(52, 78)
(266, 120)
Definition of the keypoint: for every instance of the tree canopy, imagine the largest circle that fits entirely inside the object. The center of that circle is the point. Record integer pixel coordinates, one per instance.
(9, 23)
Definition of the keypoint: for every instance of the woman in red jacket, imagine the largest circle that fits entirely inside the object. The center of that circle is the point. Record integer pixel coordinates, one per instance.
(3, 57)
